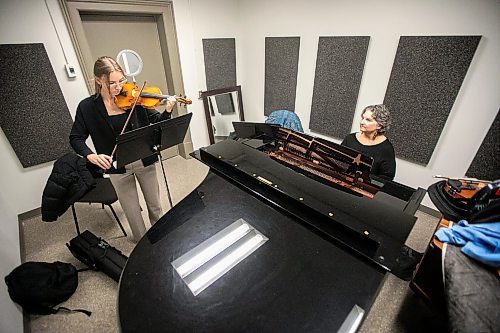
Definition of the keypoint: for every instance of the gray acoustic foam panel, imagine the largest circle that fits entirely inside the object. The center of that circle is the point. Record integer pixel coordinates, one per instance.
(425, 79)
(33, 113)
(339, 69)
(282, 63)
(220, 67)
(486, 163)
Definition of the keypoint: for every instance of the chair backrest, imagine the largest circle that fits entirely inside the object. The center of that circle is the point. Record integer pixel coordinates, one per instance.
(286, 119)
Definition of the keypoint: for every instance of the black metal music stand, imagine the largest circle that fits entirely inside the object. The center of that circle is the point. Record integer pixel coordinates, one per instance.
(151, 139)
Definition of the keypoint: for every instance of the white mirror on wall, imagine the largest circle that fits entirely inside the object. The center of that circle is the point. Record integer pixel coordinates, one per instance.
(222, 107)
(131, 62)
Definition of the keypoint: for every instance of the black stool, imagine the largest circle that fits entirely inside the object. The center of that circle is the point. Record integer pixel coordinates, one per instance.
(104, 193)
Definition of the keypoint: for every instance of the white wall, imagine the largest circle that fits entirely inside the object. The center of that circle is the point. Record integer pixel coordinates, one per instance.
(28, 21)
(249, 22)
(384, 21)
(196, 20)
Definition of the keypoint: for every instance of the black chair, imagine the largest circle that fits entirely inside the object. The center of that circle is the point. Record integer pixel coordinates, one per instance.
(104, 193)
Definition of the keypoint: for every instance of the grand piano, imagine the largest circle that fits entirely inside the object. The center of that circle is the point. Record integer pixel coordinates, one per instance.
(319, 235)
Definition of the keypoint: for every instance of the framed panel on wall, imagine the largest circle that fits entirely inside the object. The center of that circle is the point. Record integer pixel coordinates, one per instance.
(282, 63)
(220, 68)
(33, 113)
(486, 163)
(339, 69)
(426, 77)
(220, 62)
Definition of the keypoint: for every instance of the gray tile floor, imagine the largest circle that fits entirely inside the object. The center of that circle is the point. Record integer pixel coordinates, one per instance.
(396, 309)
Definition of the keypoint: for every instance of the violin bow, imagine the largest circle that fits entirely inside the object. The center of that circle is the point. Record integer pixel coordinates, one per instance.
(465, 179)
(129, 116)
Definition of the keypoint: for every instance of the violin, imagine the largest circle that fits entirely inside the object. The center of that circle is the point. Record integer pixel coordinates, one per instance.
(462, 189)
(148, 97)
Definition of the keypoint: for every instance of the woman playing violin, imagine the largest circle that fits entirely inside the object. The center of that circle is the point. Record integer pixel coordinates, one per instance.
(99, 117)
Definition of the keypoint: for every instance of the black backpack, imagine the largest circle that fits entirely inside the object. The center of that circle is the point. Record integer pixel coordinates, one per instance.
(39, 286)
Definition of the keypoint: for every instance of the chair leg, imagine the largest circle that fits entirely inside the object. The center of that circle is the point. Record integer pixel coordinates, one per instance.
(117, 220)
(76, 220)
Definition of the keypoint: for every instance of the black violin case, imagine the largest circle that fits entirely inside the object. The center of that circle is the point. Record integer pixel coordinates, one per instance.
(97, 254)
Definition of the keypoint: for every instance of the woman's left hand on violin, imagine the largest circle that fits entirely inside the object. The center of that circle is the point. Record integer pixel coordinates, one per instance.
(170, 103)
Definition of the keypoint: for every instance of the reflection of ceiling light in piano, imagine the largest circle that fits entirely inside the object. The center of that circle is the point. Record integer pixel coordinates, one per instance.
(353, 319)
(208, 261)
(201, 281)
(213, 250)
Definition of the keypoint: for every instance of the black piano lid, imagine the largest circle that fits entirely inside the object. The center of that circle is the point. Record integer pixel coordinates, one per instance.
(376, 228)
(298, 281)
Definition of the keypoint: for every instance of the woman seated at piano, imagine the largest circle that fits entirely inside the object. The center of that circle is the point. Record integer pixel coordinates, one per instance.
(371, 140)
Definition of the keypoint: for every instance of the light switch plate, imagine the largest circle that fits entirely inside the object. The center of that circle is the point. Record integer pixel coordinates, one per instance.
(70, 70)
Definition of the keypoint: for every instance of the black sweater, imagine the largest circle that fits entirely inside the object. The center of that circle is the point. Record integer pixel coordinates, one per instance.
(92, 119)
(384, 159)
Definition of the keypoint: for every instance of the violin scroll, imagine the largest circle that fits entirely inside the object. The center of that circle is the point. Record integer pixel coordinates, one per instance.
(183, 101)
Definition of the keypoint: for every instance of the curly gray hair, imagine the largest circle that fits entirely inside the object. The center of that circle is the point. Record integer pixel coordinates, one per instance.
(382, 115)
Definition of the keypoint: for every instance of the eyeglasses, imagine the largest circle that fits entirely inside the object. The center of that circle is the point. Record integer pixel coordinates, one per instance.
(119, 83)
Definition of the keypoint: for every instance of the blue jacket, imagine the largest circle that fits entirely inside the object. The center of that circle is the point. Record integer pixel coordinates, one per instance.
(480, 241)
(286, 119)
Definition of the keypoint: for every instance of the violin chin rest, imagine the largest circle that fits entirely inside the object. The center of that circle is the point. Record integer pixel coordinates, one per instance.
(456, 185)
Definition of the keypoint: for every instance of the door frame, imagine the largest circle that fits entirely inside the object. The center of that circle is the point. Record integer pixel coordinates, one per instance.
(161, 10)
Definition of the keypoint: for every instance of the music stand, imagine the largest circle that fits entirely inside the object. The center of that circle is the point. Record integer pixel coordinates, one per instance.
(152, 139)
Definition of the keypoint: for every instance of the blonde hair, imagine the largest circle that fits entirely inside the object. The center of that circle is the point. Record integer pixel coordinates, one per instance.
(104, 66)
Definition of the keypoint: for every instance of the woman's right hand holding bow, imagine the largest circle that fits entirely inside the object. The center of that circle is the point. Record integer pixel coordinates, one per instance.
(102, 160)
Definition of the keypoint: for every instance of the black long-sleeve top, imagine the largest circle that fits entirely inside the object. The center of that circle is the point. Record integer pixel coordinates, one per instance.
(92, 119)
(384, 158)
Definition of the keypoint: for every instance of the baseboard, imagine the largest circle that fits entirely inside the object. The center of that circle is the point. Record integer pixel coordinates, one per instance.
(430, 211)
(22, 252)
(29, 214)
(21, 218)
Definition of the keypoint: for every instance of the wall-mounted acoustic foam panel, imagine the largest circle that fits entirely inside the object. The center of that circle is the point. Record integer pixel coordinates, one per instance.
(339, 69)
(486, 163)
(220, 67)
(33, 113)
(425, 79)
(282, 62)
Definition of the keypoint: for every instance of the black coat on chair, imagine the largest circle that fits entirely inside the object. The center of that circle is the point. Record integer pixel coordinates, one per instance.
(69, 181)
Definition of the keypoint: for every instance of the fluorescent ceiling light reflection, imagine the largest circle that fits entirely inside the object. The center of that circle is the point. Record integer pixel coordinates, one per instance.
(213, 250)
(211, 259)
(204, 279)
(352, 321)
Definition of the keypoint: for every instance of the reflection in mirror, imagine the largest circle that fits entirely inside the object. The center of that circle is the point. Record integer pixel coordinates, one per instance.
(131, 62)
(222, 107)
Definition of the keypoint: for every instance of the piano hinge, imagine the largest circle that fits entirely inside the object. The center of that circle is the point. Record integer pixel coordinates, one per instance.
(264, 180)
